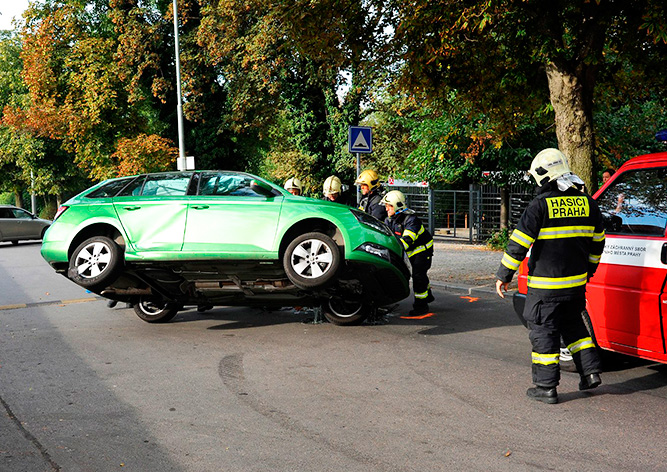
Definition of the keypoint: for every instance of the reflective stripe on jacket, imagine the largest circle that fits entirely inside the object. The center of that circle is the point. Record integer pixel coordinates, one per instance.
(565, 230)
(410, 231)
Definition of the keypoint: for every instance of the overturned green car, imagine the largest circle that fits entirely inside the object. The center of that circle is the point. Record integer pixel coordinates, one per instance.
(219, 238)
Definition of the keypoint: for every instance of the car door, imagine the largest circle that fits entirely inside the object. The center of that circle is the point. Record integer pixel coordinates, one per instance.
(626, 295)
(8, 224)
(153, 211)
(228, 218)
(25, 224)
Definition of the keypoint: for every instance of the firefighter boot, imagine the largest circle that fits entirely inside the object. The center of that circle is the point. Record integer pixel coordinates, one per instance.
(543, 394)
(419, 310)
(589, 381)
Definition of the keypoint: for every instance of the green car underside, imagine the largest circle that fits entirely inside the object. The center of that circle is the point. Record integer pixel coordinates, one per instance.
(225, 249)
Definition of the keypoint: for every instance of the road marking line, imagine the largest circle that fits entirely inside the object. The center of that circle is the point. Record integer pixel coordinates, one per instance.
(420, 317)
(13, 307)
(77, 300)
(51, 302)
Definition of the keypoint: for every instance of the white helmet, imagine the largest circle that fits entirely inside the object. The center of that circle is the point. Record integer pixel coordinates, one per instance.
(331, 185)
(548, 165)
(396, 199)
(293, 183)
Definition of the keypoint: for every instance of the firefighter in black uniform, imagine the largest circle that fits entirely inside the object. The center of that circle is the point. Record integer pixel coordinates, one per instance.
(418, 244)
(372, 193)
(333, 191)
(564, 226)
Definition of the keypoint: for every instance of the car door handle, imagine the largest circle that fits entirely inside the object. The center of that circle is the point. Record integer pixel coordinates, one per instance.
(131, 208)
(200, 207)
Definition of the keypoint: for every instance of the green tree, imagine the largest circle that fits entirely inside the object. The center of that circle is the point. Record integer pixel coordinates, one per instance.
(284, 62)
(505, 56)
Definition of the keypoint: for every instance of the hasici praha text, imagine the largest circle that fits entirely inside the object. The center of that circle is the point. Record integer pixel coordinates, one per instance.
(564, 207)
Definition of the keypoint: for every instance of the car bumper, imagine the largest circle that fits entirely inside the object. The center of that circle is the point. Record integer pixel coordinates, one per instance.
(384, 281)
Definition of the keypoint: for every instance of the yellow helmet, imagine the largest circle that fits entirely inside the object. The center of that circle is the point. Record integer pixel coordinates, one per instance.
(368, 177)
(548, 165)
(293, 183)
(396, 199)
(331, 185)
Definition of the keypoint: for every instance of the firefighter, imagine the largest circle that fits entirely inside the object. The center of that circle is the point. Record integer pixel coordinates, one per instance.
(372, 193)
(293, 186)
(418, 244)
(333, 191)
(564, 226)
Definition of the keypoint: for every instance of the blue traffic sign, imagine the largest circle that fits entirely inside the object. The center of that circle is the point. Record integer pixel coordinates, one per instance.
(360, 139)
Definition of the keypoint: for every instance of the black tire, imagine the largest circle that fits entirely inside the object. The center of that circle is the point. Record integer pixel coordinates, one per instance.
(344, 312)
(156, 311)
(311, 260)
(15, 243)
(96, 263)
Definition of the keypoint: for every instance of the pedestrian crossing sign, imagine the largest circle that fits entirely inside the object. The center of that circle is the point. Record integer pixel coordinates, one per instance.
(360, 139)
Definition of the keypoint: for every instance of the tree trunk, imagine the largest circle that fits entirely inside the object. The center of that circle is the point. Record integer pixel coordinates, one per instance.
(504, 208)
(574, 126)
(18, 198)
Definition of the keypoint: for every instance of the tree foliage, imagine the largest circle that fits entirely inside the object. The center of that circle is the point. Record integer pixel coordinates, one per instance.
(498, 55)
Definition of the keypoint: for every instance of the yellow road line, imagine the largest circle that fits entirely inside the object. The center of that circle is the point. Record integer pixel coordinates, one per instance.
(51, 302)
(77, 300)
(13, 307)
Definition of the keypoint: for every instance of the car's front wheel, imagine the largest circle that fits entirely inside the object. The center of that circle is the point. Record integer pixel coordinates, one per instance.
(311, 260)
(156, 311)
(96, 263)
(344, 312)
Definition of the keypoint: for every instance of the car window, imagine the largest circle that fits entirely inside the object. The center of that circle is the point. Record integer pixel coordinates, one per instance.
(6, 213)
(110, 189)
(21, 214)
(636, 203)
(134, 188)
(166, 184)
(160, 185)
(227, 184)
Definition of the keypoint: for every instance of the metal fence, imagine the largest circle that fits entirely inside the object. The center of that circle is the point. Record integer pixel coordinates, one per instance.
(471, 215)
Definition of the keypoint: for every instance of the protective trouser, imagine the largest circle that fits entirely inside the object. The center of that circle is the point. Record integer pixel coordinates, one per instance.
(421, 263)
(549, 320)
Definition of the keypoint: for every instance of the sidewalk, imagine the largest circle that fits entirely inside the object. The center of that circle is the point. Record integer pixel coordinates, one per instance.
(464, 268)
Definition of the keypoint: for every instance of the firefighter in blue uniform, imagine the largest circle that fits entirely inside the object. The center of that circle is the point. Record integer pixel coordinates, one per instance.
(565, 228)
(418, 244)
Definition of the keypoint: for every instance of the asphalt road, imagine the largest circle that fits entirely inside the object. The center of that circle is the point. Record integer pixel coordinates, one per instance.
(88, 388)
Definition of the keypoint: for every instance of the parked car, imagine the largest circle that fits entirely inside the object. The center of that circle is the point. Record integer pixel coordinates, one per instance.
(627, 297)
(17, 224)
(219, 238)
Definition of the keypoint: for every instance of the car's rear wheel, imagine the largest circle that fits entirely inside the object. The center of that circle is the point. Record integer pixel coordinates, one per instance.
(311, 260)
(156, 311)
(344, 312)
(96, 263)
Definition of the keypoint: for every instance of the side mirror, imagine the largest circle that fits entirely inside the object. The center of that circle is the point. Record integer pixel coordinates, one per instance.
(262, 188)
(663, 254)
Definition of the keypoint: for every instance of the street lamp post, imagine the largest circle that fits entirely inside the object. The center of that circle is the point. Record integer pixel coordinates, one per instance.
(179, 107)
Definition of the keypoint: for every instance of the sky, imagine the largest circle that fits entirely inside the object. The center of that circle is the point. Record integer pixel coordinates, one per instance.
(10, 9)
